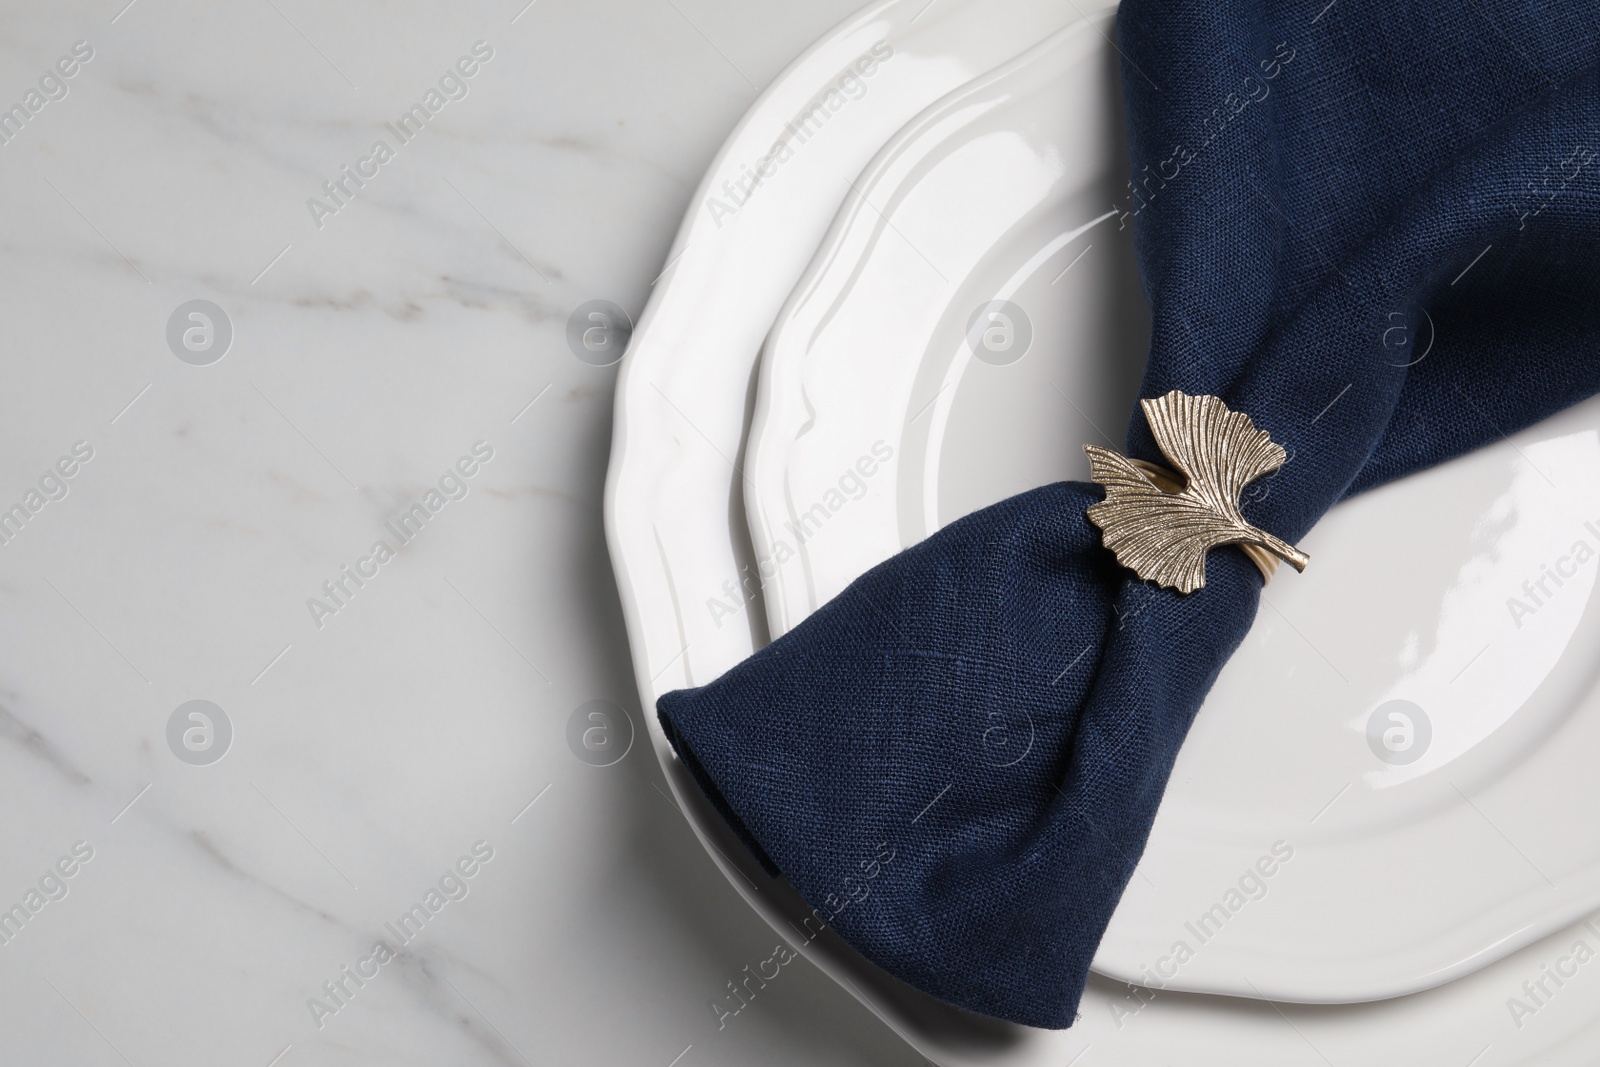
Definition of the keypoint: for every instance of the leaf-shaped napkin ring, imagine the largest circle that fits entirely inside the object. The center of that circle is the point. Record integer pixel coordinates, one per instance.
(1161, 525)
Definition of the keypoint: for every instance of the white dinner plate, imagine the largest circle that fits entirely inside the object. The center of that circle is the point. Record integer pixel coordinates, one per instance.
(675, 528)
(1003, 195)
(1377, 796)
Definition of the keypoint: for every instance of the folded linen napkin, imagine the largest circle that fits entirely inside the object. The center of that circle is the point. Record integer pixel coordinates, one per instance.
(1309, 180)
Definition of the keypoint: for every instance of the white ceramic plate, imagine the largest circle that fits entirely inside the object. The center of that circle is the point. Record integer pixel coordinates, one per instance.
(1003, 192)
(1411, 863)
(671, 558)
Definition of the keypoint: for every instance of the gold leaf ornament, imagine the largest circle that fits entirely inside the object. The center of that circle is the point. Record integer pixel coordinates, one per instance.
(1161, 525)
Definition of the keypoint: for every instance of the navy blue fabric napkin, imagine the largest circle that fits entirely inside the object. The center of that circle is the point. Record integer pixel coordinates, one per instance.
(1001, 705)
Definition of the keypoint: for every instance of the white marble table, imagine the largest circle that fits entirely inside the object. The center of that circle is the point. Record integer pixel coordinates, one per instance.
(195, 528)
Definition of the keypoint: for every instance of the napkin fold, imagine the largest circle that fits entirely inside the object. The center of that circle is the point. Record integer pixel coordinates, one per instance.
(1374, 228)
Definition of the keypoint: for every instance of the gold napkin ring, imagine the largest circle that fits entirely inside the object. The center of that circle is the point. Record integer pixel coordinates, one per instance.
(1161, 524)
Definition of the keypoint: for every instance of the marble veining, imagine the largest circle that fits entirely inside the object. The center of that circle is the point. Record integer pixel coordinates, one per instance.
(429, 712)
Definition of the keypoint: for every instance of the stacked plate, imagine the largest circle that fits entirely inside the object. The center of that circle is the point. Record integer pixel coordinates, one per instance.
(905, 291)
